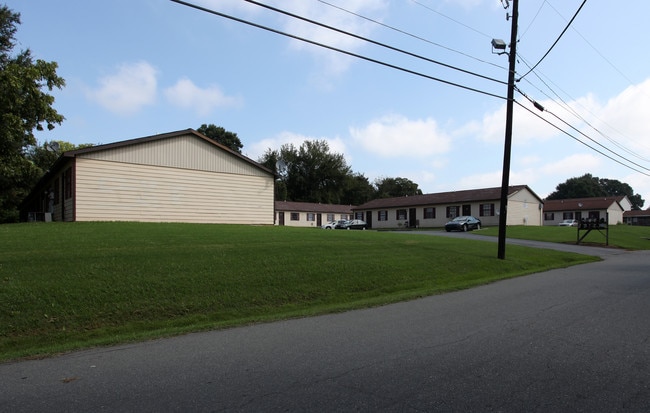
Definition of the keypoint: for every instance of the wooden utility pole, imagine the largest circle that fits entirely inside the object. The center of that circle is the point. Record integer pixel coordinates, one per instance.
(505, 178)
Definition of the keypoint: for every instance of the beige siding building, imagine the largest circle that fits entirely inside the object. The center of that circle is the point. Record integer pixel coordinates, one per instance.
(597, 208)
(307, 214)
(175, 177)
(434, 210)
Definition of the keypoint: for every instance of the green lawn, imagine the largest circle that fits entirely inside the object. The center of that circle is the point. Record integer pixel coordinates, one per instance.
(620, 236)
(66, 286)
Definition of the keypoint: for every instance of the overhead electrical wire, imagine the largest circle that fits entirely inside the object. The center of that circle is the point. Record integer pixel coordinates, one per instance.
(568, 108)
(556, 40)
(543, 109)
(356, 36)
(398, 30)
(449, 18)
(372, 60)
(346, 52)
(577, 139)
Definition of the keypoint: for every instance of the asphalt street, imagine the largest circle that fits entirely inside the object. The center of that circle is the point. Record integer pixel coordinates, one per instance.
(567, 340)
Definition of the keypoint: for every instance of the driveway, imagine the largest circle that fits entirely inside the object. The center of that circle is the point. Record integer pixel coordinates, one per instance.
(568, 340)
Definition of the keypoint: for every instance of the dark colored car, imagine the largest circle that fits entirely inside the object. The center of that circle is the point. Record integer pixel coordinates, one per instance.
(464, 223)
(354, 224)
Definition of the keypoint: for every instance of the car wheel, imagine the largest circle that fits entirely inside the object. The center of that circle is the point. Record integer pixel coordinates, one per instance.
(447, 229)
(478, 226)
(465, 228)
(348, 228)
(363, 228)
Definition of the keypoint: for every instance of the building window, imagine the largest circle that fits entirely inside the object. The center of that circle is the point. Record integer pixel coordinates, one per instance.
(400, 214)
(429, 213)
(311, 216)
(549, 216)
(330, 217)
(453, 211)
(295, 216)
(382, 215)
(567, 215)
(487, 210)
(358, 215)
(594, 214)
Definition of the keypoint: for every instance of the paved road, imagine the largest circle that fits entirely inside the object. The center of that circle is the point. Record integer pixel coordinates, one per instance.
(568, 340)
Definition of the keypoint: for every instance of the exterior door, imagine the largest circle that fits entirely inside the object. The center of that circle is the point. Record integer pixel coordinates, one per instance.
(413, 220)
(281, 218)
(369, 218)
(467, 210)
(319, 219)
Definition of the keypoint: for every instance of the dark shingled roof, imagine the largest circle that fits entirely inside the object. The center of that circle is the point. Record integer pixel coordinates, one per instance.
(471, 195)
(576, 204)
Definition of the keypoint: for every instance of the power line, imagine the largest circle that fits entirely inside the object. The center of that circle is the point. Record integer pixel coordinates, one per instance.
(410, 34)
(556, 40)
(568, 108)
(541, 108)
(449, 18)
(395, 49)
(379, 62)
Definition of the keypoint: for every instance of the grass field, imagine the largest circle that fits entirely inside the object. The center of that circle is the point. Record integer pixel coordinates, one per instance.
(75, 285)
(620, 236)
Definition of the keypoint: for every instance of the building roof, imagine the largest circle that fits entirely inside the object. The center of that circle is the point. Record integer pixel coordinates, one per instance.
(136, 141)
(577, 204)
(63, 160)
(637, 213)
(312, 207)
(453, 197)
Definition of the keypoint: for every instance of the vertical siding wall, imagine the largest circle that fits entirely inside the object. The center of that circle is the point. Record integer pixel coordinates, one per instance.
(113, 191)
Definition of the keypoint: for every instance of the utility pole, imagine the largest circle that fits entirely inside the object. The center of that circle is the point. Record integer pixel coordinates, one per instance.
(505, 178)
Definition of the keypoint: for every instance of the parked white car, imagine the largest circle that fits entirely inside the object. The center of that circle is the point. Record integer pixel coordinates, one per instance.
(568, 223)
(329, 225)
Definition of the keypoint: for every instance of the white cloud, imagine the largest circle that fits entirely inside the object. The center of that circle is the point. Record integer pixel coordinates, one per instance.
(185, 94)
(126, 91)
(396, 136)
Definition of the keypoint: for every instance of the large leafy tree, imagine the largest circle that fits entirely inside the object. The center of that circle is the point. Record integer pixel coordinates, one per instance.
(222, 136)
(24, 107)
(310, 173)
(588, 186)
(396, 187)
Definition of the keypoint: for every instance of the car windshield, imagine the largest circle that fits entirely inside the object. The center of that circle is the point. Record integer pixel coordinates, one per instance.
(460, 219)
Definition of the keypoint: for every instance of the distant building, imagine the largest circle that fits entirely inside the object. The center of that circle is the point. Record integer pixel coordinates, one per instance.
(180, 176)
(637, 217)
(434, 210)
(555, 211)
(307, 214)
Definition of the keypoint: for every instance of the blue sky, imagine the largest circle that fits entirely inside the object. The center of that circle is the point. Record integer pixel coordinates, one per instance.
(138, 68)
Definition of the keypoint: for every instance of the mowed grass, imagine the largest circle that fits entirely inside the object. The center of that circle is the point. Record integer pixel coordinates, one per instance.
(620, 236)
(66, 286)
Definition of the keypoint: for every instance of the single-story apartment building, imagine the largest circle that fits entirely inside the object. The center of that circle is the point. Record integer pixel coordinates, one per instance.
(640, 217)
(596, 208)
(307, 214)
(434, 210)
(180, 176)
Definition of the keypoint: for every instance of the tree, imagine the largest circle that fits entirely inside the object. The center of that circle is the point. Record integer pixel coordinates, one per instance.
(309, 173)
(24, 106)
(588, 186)
(43, 156)
(396, 187)
(357, 190)
(222, 136)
